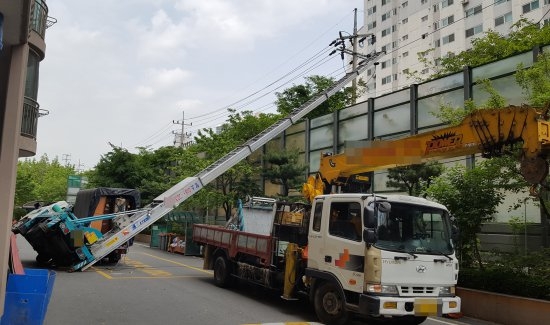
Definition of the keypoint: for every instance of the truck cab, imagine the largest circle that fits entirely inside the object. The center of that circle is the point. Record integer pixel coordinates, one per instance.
(381, 256)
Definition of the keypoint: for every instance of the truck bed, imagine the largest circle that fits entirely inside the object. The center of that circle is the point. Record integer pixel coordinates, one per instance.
(235, 241)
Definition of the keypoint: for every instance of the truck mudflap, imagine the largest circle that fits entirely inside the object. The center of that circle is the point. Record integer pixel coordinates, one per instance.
(402, 306)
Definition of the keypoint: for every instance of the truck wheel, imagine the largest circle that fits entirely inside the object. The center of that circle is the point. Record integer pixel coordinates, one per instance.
(42, 259)
(222, 274)
(330, 305)
(114, 258)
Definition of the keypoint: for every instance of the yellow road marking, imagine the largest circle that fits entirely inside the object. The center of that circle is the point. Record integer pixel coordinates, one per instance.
(103, 273)
(156, 277)
(177, 263)
(154, 272)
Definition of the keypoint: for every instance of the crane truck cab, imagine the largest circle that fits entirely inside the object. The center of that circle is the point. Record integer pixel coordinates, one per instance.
(401, 262)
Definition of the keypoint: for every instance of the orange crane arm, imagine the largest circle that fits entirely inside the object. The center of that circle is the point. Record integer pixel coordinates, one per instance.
(490, 132)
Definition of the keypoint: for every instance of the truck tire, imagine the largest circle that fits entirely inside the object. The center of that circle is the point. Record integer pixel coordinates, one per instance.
(114, 258)
(222, 272)
(330, 304)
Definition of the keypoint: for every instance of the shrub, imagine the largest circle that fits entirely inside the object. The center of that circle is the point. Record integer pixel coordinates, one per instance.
(505, 280)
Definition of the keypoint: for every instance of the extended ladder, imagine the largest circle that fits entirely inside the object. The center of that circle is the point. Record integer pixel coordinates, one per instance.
(174, 196)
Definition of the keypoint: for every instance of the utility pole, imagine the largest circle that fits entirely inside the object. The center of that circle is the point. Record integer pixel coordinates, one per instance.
(182, 123)
(66, 158)
(354, 64)
(356, 40)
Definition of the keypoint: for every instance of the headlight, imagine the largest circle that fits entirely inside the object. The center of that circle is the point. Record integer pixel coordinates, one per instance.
(447, 291)
(378, 288)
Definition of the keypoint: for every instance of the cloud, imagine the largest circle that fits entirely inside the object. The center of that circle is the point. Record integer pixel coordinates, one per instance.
(162, 80)
(122, 71)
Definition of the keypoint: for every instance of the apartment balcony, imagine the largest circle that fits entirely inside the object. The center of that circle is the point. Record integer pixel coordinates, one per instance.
(29, 125)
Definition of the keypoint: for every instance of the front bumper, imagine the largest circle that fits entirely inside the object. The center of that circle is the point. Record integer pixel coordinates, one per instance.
(401, 306)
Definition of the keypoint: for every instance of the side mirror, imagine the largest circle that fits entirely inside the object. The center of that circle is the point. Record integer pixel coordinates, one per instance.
(370, 217)
(370, 236)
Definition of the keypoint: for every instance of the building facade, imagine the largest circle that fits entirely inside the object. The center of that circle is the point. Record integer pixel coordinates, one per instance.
(23, 26)
(405, 28)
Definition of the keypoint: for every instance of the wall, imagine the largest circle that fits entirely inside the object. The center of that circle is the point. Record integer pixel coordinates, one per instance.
(503, 309)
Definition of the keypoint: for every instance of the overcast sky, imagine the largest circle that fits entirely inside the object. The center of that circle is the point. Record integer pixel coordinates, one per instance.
(121, 71)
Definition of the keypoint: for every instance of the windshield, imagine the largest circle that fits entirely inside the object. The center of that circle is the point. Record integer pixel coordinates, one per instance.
(414, 229)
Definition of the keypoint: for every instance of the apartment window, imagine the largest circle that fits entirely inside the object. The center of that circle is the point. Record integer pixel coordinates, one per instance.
(425, 18)
(385, 2)
(436, 25)
(371, 10)
(394, 61)
(424, 35)
(474, 30)
(497, 2)
(405, 54)
(369, 72)
(405, 4)
(424, 71)
(31, 82)
(546, 2)
(386, 80)
(448, 39)
(530, 6)
(386, 31)
(437, 62)
(371, 25)
(394, 44)
(393, 28)
(546, 21)
(473, 11)
(436, 8)
(405, 37)
(385, 48)
(503, 19)
(423, 2)
(447, 20)
(385, 64)
(437, 43)
(404, 21)
(387, 15)
(446, 3)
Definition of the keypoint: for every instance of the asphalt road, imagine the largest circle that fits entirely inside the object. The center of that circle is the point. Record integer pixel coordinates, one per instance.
(150, 286)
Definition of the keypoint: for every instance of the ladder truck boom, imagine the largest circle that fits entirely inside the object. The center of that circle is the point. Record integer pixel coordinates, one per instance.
(173, 197)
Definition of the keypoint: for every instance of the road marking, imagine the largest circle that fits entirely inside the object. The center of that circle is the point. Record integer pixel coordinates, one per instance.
(287, 323)
(154, 273)
(445, 322)
(102, 273)
(177, 263)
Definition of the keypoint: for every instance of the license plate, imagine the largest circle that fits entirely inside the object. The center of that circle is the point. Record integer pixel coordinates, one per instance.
(427, 307)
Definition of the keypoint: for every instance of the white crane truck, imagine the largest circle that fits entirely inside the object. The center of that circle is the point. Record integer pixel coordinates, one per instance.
(381, 256)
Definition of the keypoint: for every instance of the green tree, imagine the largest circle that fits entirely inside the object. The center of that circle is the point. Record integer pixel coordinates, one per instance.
(241, 179)
(493, 46)
(41, 180)
(414, 178)
(472, 197)
(295, 96)
(284, 169)
(117, 168)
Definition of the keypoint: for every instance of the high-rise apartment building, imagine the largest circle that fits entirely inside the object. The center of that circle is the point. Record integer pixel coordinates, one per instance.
(404, 28)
